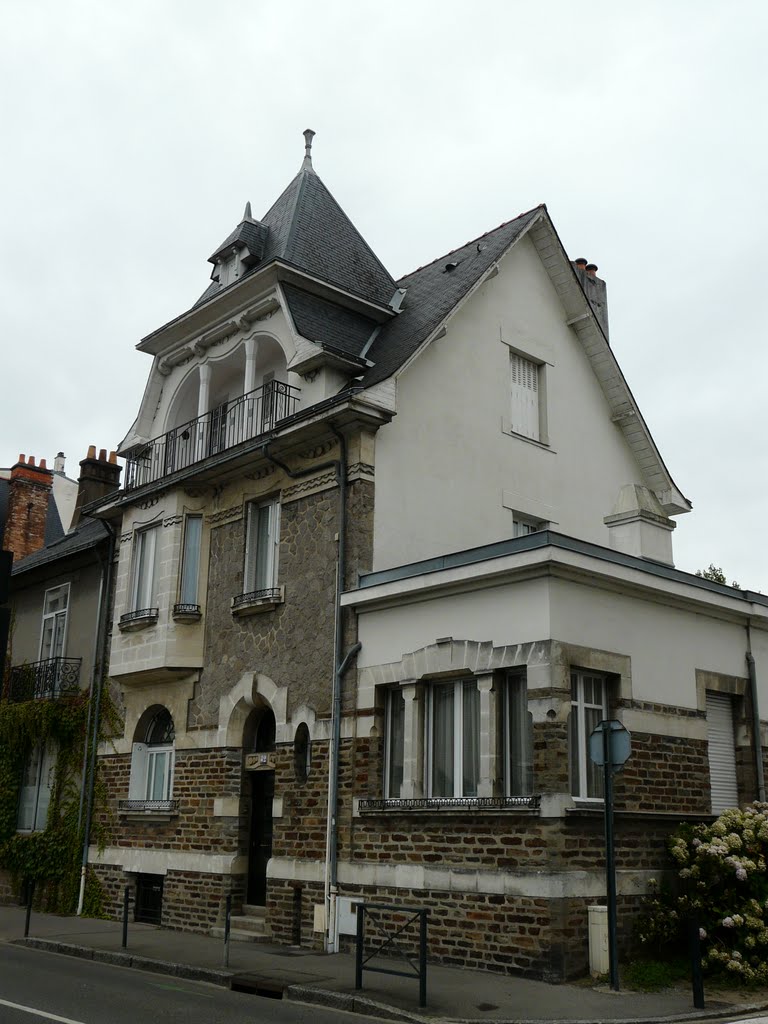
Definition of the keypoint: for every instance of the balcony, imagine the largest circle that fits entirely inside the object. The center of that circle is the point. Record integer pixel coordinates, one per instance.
(214, 432)
(44, 680)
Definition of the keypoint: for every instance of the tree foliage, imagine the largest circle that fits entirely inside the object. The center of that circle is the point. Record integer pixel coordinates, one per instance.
(716, 574)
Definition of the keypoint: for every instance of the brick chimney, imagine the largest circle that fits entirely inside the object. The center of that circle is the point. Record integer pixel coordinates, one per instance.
(98, 476)
(29, 491)
(594, 288)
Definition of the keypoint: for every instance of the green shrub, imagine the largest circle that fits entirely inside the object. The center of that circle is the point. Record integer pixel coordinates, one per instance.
(722, 881)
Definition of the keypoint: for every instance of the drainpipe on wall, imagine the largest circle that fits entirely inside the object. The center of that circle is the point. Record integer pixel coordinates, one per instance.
(756, 733)
(94, 674)
(97, 685)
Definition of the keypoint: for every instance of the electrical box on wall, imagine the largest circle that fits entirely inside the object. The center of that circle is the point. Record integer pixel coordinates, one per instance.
(318, 919)
(347, 915)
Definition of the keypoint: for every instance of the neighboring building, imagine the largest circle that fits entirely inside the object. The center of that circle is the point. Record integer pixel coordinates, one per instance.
(58, 600)
(461, 453)
(52, 496)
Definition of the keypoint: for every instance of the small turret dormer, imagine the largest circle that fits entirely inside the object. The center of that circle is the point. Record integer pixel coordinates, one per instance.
(240, 251)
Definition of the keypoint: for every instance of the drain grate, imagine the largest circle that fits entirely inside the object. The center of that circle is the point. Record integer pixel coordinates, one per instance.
(256, 986)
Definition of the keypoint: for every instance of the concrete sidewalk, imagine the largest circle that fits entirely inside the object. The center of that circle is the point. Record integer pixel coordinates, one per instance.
(453, 994)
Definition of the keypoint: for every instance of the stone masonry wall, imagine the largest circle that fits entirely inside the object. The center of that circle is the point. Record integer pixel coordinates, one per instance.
(293, 644)
(199, 777)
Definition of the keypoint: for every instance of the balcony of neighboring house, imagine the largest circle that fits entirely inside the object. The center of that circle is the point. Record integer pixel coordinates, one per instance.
(231, 422)
(44, 680)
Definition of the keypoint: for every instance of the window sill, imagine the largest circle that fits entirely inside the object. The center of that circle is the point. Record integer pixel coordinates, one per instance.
(506, 428)
(148, 810)
(258, 601)
(187, 613)
(453, 805)
(139, 619)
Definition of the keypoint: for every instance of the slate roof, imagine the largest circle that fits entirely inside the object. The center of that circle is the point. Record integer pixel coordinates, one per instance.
(308, 229)
(85, 536)
(322, 321)
(433, 291)
(53, 528)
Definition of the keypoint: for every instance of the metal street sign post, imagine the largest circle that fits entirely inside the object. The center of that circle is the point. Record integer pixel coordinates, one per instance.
(610, 745)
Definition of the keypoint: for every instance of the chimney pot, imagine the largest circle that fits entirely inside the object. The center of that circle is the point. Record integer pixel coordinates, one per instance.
(102, 455)
(113, 458)
(22, 459)
(580, 262)
(42, 464)
(91, 451)
(591, 269)
(31, 460)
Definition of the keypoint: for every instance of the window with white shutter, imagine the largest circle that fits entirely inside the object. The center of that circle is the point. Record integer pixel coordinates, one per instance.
(524, 389)
(722, 752)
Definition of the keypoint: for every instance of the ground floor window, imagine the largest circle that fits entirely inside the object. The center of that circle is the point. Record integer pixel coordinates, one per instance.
(36, 787)
(589, 706)
(722, 752)
(453, 735)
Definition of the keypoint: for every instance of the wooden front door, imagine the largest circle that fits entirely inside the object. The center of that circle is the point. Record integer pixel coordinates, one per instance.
(260, 838)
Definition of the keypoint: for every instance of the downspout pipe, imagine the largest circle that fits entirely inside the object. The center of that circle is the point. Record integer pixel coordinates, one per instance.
(98, 686)
(94, 674)
(756, 732)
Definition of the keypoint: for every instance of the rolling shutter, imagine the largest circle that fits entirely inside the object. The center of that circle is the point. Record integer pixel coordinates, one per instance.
(722, 752)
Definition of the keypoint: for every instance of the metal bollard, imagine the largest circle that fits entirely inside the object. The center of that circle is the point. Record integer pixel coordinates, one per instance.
(126, 900)
(697, 978)
(227, 924)
(30, 897)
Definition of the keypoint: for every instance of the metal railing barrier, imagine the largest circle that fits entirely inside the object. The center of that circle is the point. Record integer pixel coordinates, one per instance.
(412, 914)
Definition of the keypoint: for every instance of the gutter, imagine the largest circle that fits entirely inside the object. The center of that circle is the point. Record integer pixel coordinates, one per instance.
(757, 736)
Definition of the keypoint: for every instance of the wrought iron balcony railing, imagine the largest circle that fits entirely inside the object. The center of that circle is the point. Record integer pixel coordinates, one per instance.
(224, 427)
(148, 806)
(44, 680)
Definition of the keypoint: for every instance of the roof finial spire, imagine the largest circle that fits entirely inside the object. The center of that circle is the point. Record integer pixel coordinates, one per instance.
(308, 136)
(248, 215)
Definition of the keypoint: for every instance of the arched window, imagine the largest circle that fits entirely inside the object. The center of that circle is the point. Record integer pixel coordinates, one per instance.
(302, 753)
(152, 759)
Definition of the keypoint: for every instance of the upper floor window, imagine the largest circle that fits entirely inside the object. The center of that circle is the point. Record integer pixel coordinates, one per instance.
(261, 542)
(54, 629)
(589, 706)
(143, 578)
(522, 526)
(518, 738)
(453, 739)
(190, 560)
(525, 412)
(36, 787)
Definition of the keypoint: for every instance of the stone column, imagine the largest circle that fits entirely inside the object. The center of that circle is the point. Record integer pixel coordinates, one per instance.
(205, 383)
(251, 351)
(489, 754)
(413, 753)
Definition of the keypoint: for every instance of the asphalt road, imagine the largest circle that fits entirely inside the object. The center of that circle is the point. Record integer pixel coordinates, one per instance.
(37, 987)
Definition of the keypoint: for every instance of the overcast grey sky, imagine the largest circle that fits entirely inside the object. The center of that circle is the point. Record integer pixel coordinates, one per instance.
(133, 133)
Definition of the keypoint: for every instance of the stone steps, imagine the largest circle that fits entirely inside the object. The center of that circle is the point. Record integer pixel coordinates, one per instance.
(248, 926)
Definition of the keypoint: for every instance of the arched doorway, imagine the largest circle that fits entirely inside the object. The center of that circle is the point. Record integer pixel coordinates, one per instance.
(258, 743)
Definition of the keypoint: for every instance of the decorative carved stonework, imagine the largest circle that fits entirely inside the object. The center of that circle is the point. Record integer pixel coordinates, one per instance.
(173, 520)
(360, 469)
(320, 449)
(148, 502)
(226, 515)
(260, 474)
(309, 376)
(313, 483)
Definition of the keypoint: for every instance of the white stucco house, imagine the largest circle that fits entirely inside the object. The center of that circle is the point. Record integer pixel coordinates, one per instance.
(389, 550)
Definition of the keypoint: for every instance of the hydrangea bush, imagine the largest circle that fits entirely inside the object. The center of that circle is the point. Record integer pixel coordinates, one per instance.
(723, 883)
